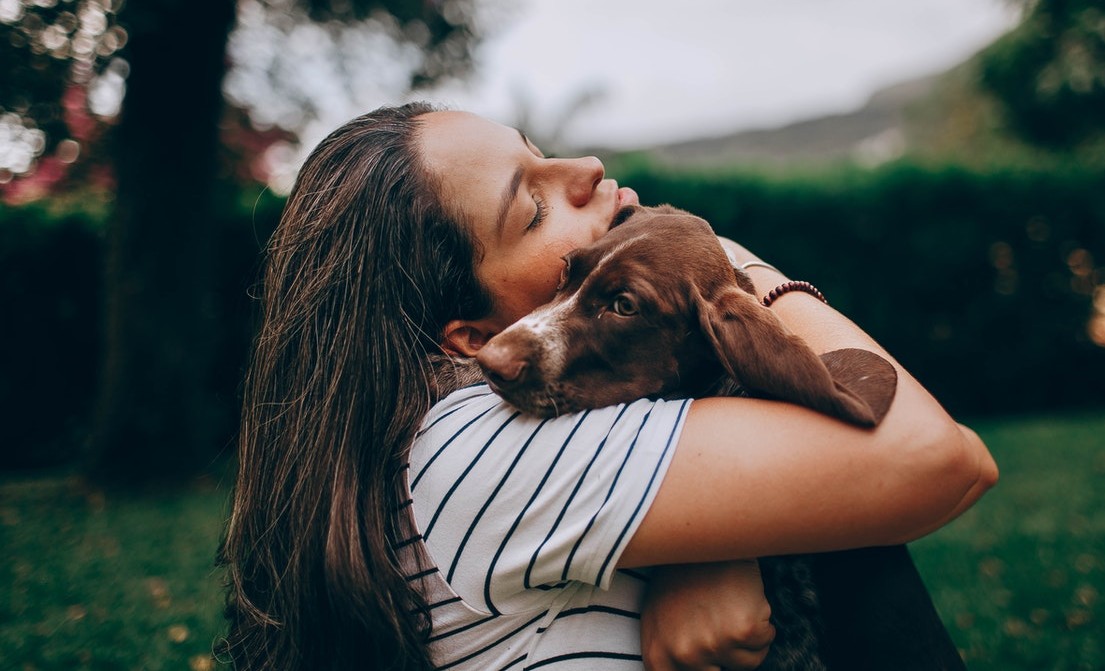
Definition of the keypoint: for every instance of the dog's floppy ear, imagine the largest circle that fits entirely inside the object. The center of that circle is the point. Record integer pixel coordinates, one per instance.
(757, 351)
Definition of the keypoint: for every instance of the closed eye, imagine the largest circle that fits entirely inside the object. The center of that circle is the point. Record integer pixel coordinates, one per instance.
(540, 215)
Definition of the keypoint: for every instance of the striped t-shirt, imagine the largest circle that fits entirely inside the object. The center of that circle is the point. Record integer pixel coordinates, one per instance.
(523, 520)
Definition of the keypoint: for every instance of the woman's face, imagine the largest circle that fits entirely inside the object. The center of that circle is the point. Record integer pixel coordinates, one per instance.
(527, 211)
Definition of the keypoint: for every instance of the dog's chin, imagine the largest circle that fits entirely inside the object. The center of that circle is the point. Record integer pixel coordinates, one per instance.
(556, 399)
(542, 405)
(545, 401)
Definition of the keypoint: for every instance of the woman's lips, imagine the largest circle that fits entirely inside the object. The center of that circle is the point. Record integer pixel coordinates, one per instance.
(627, 196)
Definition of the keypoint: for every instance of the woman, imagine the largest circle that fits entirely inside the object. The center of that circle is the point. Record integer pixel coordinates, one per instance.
(413, 232)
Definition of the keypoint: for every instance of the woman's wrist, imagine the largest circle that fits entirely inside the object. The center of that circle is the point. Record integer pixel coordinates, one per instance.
(765, 276)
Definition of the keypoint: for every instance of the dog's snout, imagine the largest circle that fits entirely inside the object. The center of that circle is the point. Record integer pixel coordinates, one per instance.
(503, 365)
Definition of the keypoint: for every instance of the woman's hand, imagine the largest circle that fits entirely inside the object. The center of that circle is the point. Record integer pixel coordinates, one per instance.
(706, 616)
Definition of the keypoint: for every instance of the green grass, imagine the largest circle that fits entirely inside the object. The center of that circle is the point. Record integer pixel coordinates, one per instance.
(94, 580)
(1019, 578)
(90, 580)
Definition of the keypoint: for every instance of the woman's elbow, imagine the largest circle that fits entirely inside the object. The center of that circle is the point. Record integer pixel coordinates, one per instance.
(950, 472)
(968, 463)
(986, 469)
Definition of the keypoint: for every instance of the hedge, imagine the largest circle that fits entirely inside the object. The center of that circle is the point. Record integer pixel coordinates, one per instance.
(51, 299)
(980, 283)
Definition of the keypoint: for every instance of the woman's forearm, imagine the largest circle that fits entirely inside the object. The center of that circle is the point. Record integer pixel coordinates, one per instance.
(756, 478)
(824, 329)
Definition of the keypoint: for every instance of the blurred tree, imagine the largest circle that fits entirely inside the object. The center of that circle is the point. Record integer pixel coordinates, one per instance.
(1049, 73)
(59, 69)
(157, 417)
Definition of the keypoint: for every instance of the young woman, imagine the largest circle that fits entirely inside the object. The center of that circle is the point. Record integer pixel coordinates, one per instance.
(376, 525)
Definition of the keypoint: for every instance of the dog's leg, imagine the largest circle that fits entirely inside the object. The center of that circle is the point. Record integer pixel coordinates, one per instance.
(878, 615)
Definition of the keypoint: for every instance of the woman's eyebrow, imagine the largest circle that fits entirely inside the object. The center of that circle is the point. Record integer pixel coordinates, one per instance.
(507, 199)
(511, 190)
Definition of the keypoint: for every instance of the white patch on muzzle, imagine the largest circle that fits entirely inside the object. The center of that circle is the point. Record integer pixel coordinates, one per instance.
(544, 328)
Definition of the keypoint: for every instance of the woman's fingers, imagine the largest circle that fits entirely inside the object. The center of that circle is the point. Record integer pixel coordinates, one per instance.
(741, 658)
(706, 616)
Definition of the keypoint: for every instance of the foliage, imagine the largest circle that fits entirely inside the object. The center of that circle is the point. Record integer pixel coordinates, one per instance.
(445, 31)
(92, 579)
(50, 289)
(51, 276)
(54, 54)
(1049, 73)
(66, 66)
(986, 285)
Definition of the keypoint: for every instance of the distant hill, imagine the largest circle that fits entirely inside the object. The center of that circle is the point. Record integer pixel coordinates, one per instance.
(943, 117)
(872, 134)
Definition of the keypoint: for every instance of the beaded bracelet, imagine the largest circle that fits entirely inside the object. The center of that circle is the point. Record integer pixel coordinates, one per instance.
(793, 285)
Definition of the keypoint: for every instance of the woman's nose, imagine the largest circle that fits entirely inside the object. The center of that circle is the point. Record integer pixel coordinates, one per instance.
(584, 175)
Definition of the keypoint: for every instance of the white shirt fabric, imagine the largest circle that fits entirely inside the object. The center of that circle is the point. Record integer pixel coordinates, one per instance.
(523, 520)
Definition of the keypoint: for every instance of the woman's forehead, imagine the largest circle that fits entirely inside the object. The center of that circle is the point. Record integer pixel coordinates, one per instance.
(472, 158)
(464, 137)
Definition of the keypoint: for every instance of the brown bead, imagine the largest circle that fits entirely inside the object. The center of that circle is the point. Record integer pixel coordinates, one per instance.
(793, 285)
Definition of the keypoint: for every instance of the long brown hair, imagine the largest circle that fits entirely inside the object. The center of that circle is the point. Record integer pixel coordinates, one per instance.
(362, 273)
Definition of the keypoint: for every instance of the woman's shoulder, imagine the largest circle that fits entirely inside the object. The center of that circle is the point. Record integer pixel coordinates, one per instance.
(474, 425)
(477, 404)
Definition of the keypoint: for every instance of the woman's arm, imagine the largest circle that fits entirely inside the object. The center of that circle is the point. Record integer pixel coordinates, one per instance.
(753, 478)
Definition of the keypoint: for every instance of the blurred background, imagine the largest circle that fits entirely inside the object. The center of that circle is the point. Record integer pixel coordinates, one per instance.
(937, 169)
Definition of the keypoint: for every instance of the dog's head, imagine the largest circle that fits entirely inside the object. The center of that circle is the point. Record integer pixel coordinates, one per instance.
(654, 308)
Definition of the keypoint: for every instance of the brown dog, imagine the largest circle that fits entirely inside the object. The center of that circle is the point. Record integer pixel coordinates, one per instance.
(655, 309)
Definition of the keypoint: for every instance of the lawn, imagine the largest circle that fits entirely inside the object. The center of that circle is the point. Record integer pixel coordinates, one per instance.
(95, 580)
(1019, 578)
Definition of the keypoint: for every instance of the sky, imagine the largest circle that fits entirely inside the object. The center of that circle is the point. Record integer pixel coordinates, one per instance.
(663, 71)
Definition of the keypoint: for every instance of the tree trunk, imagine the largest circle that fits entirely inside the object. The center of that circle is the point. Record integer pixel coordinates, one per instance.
(156, 409)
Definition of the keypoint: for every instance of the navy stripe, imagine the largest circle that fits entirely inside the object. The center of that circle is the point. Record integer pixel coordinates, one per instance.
(493, 645)
(609, 493)
(406, 541)
(487, 503)
(599, 608)
(440, 450)
(446, 602)
(513, 662)
(459, 407)
(442, 504)
(422, 574)
(568, 503)
(609, 610)
(585, 655)
(549, 588)
(460, 630)
(525, 509)
(651, 482)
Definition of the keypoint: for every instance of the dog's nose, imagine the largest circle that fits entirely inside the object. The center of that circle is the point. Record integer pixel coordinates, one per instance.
(501, 364)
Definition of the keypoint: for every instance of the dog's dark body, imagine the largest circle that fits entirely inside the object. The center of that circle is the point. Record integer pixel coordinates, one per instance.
(655, 309)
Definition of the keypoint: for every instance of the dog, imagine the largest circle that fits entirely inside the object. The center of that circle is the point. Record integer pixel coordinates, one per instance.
(655, 309)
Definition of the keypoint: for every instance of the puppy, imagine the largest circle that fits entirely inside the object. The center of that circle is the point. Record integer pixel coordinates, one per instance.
(655, 309)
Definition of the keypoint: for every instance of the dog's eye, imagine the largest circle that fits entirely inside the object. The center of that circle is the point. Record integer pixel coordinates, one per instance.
(624, 305)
